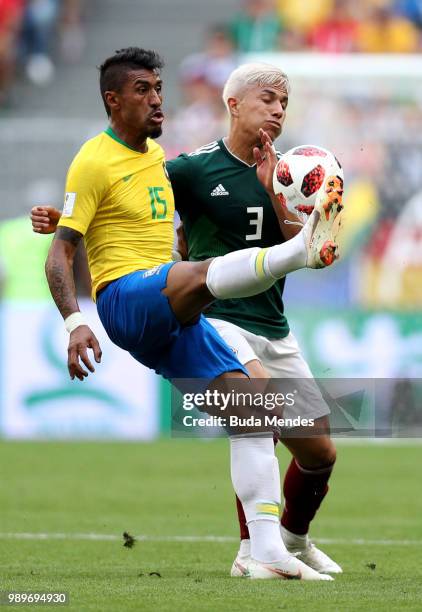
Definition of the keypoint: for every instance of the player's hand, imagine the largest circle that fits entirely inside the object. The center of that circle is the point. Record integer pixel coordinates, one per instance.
(266, 161)
(44, 219)
(182, 243)
(81, 339)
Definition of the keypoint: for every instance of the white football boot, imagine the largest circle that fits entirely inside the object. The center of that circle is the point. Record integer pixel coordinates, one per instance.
(304, 549)
(240, 564)
(320, 230)
(290, 568)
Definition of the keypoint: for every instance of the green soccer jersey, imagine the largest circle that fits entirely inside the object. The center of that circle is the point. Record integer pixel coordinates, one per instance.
(224, 208)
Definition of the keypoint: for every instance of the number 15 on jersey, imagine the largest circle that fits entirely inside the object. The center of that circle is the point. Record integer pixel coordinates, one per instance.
(158, 204)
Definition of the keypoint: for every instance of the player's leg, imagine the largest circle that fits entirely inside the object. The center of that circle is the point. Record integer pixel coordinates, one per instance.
(138, 318)
(191, 286)
(305, 487)
(306, 480)
(247, 347)
(247, 356)
(304, 490)
(255, 477)
(256, 371)
(313, 247)
(254, 467)
(256, 481)
(314, 455)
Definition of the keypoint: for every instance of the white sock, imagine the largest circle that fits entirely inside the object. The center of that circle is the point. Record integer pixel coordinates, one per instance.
(265, 546)
(244, 548)
(251, 271)
(256, 480)
(293, 541)
(287, 257)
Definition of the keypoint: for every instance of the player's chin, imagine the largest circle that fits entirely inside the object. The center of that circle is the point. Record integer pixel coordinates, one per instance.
(272, 130)
(155, 132)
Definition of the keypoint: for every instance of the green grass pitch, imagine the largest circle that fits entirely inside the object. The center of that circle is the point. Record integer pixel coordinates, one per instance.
(372, 522)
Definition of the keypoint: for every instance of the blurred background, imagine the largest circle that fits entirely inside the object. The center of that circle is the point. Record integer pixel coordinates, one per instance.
(356, 74)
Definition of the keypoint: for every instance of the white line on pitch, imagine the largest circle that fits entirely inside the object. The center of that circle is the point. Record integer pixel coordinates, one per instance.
(112, 537)
(102, 537)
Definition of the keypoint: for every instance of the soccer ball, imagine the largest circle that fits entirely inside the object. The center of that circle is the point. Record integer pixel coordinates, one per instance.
(299, 174)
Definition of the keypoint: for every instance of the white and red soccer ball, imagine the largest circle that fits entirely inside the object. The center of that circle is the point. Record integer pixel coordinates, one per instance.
(300, 173)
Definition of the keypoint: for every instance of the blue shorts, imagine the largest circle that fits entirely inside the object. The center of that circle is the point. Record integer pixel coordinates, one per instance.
(138, 318)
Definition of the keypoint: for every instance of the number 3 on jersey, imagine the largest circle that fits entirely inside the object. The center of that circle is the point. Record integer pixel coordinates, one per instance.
(157, 203)
(255, 221)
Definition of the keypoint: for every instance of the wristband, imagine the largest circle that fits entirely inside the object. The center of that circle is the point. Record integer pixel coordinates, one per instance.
(73, 321)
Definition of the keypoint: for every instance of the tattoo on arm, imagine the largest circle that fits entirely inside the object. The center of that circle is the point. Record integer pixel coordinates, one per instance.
(59, 270)
(69, 235)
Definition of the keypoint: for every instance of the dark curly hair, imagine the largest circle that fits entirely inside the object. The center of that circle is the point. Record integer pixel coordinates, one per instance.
(115, 68)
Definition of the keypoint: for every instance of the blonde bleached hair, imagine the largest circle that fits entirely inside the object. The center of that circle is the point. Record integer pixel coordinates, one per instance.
(250, 75)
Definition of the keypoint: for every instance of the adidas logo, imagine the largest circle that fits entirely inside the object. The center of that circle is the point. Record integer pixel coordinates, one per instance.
(219, 191)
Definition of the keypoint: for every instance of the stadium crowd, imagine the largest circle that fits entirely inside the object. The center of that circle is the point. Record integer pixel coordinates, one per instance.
(328, 26)
(33, 33)
(323, 26)
(30, 32)
(384, 174)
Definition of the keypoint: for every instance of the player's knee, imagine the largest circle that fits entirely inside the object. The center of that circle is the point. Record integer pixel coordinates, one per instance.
(197, 284)
(211, 277)
(315, 453)
(201, 276)
(325, 454)
(187, 278)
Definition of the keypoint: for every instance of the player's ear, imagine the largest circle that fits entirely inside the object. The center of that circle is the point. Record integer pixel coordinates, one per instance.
(233, 104)
(112, 99)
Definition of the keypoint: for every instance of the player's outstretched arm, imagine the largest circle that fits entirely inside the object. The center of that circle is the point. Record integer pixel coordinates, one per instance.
(59, 273)
(266, 161)
(44, 219)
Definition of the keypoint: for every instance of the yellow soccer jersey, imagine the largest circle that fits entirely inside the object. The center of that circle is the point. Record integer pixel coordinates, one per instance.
(122, 202)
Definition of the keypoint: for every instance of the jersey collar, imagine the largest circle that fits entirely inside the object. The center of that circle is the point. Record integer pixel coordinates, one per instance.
(109, 131)
(232, 156)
